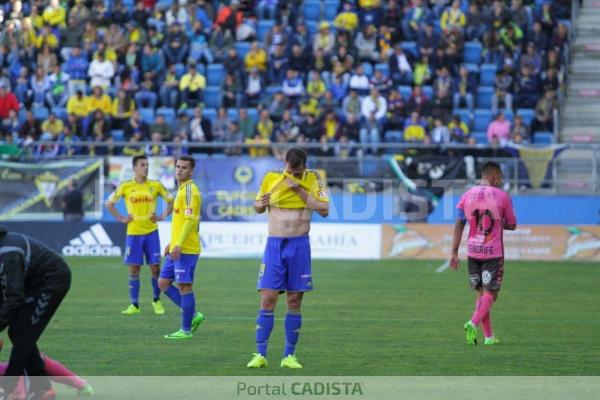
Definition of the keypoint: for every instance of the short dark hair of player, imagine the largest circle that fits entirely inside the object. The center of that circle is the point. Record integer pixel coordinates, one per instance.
(189, 159)
(490, 168)
(296, 157)
(138, 158)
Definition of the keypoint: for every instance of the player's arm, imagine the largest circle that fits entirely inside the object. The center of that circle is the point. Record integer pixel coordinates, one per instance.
(110, 206)
(14, 290)
(191, 217)
(168, 198)
(263, 198)
(459, 227)
(509, 220)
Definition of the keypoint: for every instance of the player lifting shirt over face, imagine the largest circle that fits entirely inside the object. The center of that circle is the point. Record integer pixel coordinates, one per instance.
(290, 196)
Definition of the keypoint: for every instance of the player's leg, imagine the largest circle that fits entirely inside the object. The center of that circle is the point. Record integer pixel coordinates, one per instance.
(491, 277)
(61, 374)
(165, 282)
(134, 257)
(25, 331)
(271, 281)
(184, 277)
(299, 280)
(152, 253)
(470, 328)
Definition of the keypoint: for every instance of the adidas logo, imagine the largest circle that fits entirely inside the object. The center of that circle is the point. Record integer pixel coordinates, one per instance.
(93, 242)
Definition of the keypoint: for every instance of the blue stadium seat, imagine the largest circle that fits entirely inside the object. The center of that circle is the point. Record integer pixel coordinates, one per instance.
(212, 96)
(472, 52)
(405, 91)
(480, 137)
(263, 27)
(484, 97)
(393, 137)
(487, 74)
(117, 135)
(481, 120)
(232, 113)
(368, 167)
(508, 114)
(311, 27)
(271, 90)
(179, 70)
(384, 68)
(464, 114)
(253, 114)
(147, 115)
(242, 48)
(368, 68)
(330, 9)
(527, 113)
(312, 10)
(410, 48)
(210, 114)
(168, 113)
(40, 113)
(543, 138)
(215, 75)
(472, 68)
(428, 91)
(60, 112)
(22, 114)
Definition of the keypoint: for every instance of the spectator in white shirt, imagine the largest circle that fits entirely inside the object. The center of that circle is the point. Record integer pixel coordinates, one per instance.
(374, 104)
(101, 71)
(292, 86)
(359, 81)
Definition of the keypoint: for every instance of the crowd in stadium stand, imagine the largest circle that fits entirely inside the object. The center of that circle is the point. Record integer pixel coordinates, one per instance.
(331, 72)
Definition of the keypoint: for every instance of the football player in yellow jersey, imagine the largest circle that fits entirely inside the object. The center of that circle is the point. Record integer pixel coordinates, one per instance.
(140, 195)
(184, 249)
(290, 196)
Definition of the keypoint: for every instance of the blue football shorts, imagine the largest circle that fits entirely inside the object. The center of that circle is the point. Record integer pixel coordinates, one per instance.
(180, 271)
(138, 246)
(286, 265)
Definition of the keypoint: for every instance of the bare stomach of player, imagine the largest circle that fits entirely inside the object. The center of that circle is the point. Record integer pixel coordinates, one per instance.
(286, 222)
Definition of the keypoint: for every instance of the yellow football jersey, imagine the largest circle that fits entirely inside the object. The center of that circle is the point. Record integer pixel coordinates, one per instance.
(282, 196)
(186, 207)
(140, 201)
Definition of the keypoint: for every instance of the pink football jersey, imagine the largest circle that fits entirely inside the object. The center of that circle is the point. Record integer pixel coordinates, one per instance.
(487, 209)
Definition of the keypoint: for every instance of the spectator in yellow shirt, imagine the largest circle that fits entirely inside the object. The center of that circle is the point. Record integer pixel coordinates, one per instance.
(414, 131)
(46, 37)
(347, 20)
(453, 17)
(191, 86)
(55, 14)
(99, 101)
(256, 58)
(52, 126)
(78, 105)
(316, 87)
(265, 126)
(122, 108)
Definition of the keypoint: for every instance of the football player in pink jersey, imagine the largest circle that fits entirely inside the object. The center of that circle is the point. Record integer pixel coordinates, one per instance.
(489, 211)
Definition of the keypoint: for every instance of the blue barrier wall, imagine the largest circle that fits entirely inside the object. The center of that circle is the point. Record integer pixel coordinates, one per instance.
(378, 208)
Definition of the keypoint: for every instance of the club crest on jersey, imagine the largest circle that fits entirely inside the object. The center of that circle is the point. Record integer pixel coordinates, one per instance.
(323, 194)
(188, 212)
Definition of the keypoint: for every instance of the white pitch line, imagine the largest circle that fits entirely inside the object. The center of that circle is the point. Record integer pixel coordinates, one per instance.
(443, 267)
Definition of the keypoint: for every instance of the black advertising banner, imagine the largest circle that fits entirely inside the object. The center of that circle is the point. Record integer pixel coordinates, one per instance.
(35, 190)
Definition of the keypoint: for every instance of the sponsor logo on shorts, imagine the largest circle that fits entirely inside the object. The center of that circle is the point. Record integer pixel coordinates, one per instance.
(581, 244)
(486, 276)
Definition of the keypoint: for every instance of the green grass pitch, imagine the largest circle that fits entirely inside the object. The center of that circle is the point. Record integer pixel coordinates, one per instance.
(364, 318)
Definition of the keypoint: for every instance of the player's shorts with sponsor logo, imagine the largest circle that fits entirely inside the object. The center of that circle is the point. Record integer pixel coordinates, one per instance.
(286, 265)
(180, 271)
(138, 246)
(486, 273)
